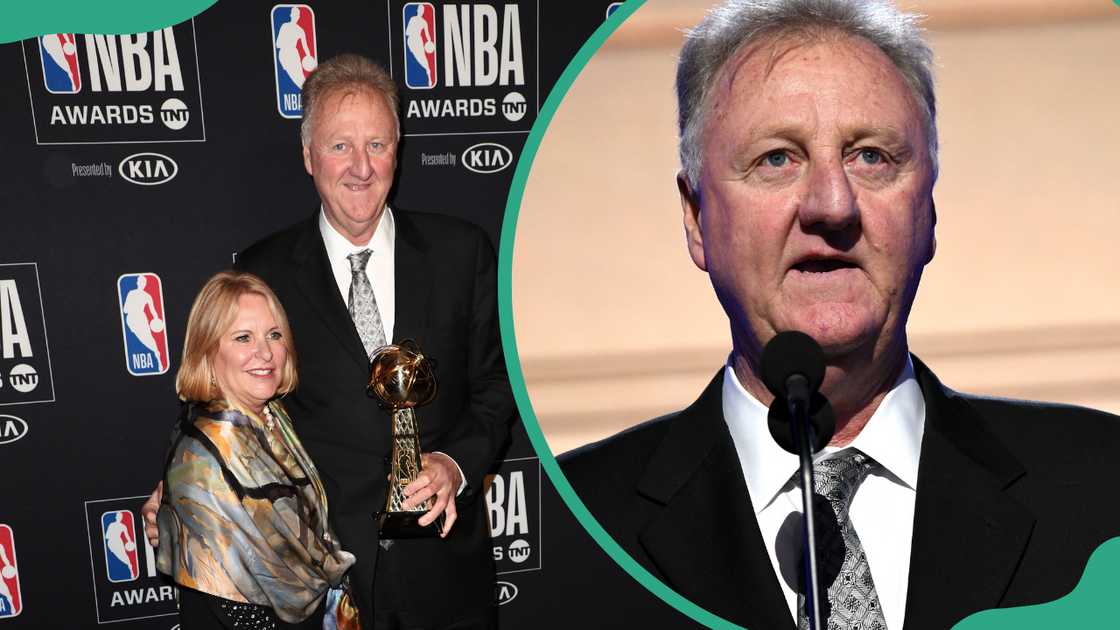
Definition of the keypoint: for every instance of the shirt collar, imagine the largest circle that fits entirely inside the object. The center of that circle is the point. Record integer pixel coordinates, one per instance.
(338, 247)
(892, 437)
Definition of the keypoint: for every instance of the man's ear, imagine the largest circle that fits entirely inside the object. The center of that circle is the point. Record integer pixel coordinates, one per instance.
(307, 160)
(693, 234)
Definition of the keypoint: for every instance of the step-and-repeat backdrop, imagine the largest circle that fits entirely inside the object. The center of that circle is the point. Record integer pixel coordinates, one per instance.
(133, 166)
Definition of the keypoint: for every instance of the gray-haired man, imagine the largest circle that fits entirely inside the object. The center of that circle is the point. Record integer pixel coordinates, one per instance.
(809, 154)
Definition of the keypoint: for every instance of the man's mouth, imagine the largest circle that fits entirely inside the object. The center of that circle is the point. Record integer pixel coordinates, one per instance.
(823, 265)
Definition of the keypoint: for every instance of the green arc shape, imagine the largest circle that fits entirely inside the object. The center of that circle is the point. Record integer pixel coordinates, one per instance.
(1089, 604)
(509, 342)
(29, 18)
(1085, 604)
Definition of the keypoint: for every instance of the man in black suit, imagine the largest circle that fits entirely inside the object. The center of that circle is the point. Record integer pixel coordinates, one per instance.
(809, 154)
(425, 277)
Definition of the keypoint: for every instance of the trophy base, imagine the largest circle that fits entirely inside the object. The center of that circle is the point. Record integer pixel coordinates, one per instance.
(391, 525)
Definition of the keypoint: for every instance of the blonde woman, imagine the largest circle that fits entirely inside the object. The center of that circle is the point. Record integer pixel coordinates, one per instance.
(244, 524)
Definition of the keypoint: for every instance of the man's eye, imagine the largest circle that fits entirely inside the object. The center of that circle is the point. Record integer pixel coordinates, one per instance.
(338, 147)
(777, 159)
(870, 156)
(376, 146)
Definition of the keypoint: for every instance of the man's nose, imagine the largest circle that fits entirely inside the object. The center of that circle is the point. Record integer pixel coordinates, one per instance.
(830, 202)
(361, 166)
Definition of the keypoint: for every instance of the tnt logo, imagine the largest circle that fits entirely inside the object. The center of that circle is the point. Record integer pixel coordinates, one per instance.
(25, 372)
(519, 551)
(175, 114)
(142, 324)
(23, 378)
(419, 45)
(513, 505)
(58, 53)
(11, 604)
(294, 54)
(125, 581)
(118, 533)
(514, 106)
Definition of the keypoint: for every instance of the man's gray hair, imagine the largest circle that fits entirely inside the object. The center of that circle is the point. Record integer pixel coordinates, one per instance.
(345, 72)
(730, 27)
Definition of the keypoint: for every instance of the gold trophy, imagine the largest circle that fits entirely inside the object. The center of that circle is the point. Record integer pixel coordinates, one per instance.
(402, 378)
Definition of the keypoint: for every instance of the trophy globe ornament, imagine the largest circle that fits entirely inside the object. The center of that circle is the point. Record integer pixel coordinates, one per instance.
(401, 379)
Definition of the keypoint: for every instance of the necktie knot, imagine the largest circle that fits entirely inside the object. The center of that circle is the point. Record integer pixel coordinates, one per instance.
(837, 479)
(358, 261)
(853, 601)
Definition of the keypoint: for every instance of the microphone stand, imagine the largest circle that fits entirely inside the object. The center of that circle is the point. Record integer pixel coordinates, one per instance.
(797, 388)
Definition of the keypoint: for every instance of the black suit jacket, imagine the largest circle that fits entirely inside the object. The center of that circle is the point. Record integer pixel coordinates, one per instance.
(446, 300)
(1012, 499)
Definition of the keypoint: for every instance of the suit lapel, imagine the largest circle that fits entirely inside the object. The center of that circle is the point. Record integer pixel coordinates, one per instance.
(705, 540)
(316, 281)
(968, 534)
(413, 279)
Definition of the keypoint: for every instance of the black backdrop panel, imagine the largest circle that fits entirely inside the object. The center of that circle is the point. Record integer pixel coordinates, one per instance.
(158, 156)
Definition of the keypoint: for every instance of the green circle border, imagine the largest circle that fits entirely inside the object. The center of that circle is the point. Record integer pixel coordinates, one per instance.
(31, 18)
(509, 340)
(1082, 606)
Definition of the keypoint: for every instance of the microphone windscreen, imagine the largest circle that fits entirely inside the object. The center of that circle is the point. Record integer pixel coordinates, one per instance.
(821, 418)
(788, 353)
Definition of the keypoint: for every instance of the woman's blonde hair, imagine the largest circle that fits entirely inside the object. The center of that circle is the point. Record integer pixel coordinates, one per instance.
(212, 314)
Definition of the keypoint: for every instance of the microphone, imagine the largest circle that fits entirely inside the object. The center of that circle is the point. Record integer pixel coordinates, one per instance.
(821, 418)
(790, 354)
(793, 370)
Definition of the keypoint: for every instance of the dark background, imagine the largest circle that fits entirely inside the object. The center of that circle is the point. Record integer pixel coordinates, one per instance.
(95, 433)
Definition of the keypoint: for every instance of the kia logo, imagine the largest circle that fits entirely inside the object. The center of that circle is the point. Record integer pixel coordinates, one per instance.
(487, 157)
(11, 429)
(148, 169)
(505, 592)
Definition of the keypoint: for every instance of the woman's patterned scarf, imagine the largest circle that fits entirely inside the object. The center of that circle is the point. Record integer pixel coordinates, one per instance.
(244, 516)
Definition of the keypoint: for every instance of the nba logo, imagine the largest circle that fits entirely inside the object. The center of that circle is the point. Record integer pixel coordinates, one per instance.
(59, 54)
(126, 584)
(11, 604)
(142, 324)
(420, 45)
(293, 54)
(118, 533)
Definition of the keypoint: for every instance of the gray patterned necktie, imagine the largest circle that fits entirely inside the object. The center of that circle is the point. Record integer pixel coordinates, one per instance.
(362, 304)
(853, 603)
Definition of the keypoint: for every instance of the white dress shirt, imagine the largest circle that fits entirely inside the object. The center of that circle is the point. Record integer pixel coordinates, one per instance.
(381, 271)
(882, 510)
(380, 267)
